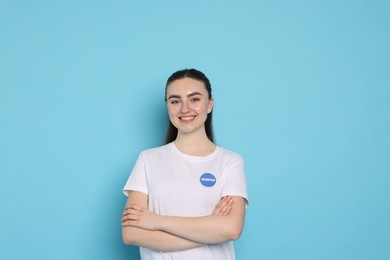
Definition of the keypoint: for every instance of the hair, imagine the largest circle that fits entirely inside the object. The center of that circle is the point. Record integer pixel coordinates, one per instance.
(197, 75)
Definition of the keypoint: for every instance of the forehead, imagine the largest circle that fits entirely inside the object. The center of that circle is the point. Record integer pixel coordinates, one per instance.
(185, 86)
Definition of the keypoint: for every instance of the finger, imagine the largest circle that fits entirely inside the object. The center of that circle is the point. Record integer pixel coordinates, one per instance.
(227, 207)
(227, 210)
(133, 209)
(128, 223)
(130, 217)
(129, 211)
(221, 204)
(133, 206)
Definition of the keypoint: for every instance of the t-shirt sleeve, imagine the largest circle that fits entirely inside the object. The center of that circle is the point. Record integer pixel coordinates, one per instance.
(234, 181)
(137, 180)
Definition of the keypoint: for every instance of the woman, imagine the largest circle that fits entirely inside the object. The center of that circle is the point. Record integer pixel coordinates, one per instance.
(186, 199)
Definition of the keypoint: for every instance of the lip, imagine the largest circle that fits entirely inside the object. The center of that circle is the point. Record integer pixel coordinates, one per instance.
(187, 118)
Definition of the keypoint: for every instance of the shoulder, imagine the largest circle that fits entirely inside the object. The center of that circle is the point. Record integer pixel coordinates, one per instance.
(230, 155)
(155, 151)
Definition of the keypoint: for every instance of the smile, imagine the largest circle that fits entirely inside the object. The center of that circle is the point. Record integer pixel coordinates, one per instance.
(187, 118)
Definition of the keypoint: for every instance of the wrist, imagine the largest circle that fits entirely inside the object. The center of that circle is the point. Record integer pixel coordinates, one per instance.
(160, 222)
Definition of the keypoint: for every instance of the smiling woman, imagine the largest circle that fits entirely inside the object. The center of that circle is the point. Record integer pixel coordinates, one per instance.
(188, 107)
(187, 198)
(201, 78)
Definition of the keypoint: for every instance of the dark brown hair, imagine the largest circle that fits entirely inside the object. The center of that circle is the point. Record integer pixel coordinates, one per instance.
(197, 75)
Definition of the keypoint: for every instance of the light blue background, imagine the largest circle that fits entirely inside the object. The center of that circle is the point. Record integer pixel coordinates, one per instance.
(301, 92)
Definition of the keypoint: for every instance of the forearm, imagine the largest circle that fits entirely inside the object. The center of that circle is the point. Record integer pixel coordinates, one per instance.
(156, 240)
(211, 229)
(225, 224)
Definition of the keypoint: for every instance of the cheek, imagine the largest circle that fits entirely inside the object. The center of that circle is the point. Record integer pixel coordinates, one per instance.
(171, 111)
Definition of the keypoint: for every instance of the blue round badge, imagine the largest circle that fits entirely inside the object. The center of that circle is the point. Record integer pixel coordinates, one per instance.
(207, 179)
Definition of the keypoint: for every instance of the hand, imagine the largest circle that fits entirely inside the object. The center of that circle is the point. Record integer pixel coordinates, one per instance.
(137, 216)
(224, 206)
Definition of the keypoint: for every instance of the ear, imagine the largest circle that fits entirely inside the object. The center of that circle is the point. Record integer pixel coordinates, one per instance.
(210, 106)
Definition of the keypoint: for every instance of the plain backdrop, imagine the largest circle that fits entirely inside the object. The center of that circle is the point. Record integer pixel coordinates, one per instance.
(301, 91)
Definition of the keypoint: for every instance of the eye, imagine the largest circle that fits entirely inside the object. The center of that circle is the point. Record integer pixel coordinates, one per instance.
(194, 100)
(173, 102)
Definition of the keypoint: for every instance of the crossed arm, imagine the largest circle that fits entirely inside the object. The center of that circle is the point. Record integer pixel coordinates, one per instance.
(144, 228)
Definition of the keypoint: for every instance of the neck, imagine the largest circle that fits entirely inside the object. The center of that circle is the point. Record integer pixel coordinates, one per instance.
(197, 144)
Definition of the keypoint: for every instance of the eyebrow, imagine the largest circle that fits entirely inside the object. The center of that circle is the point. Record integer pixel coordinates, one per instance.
(189, 95)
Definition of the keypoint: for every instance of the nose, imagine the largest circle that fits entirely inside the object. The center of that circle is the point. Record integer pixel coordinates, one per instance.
(184, 108)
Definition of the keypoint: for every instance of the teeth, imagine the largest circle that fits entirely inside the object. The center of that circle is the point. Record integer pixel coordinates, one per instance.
(187, 118)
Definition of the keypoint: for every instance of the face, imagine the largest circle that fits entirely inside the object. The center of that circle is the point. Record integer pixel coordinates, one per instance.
(188, 105)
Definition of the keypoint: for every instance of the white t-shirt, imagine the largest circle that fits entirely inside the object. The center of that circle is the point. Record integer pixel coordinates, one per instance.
(182, 185)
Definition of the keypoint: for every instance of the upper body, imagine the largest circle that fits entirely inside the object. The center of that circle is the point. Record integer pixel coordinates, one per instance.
(186, 199)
